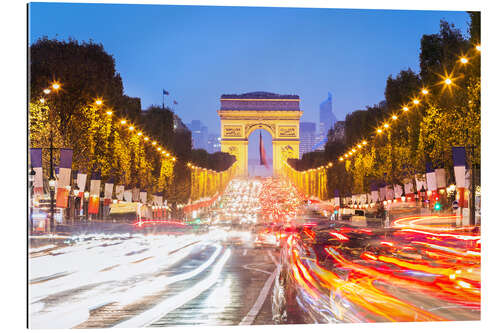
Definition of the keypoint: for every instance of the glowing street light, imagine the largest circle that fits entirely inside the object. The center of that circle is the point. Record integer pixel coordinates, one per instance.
(386, 125)
(46, 91)
(394, 117)
(341, 159)
(56, 86)
(405, 108)
(425, 91)
(379, 130)
(173, 159)
(109, 112)
(364, 142)
(153, 143)
(146, 138)
(478, 47)
(42, 100)
(464, 60)
(359, 146)
(416, 101)
(123, 122)
(447, 81)
(98, 102)
(131, 128)
(330, 164)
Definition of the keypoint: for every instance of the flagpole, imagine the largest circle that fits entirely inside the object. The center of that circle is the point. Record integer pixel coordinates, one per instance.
(163, 98)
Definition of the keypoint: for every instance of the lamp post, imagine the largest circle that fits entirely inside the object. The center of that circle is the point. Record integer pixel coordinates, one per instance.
(422, 195)
(52, 187)
(76, 207)
(86, 194)
(31, 179)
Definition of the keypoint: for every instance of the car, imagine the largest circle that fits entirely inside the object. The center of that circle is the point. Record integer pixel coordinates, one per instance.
(302, 293)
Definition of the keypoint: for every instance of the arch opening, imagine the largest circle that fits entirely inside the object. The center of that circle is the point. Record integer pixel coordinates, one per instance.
(255, 168)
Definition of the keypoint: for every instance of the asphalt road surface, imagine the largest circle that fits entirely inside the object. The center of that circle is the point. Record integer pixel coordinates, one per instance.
(226, 270)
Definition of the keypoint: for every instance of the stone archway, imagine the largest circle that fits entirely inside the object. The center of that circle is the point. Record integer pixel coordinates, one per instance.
(278, 114)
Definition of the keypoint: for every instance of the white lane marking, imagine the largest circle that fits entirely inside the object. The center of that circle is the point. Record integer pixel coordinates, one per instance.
(272, 257)
(256, 269)
(163, 308)
(254, 311)
(245, 252)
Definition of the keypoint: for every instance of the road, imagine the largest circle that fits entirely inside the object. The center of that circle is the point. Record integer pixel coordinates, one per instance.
(224, 272)
(135, 281)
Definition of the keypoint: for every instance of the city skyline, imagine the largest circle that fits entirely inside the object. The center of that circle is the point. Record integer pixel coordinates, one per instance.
(354, 69)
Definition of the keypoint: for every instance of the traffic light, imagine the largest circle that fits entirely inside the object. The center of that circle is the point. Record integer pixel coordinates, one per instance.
(437, 206)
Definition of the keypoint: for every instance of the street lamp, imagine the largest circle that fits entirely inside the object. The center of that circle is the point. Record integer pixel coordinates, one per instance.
(86, 195)
(422, 195)
(52, 187)
(76, 193)
(31, 179)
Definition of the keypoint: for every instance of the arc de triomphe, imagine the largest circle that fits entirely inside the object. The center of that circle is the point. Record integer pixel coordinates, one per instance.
(242, 114)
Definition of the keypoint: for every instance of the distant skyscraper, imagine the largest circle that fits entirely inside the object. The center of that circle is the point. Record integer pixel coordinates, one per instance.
(213, 143)
(307, 133)
(199, 134)
(326, 121)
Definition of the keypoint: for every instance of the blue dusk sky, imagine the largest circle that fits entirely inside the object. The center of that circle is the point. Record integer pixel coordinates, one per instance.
(198, 53)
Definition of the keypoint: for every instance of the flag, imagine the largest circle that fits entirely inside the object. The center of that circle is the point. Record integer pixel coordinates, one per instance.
(431, 177)
(119, 192)
(383, 191)
(398, 191)
(440, 178)
(389, 194)
(108, 191)
(408, 186)
(421, 183)
(95, 192)
(143, 196)
(263, 160)
(175, 102)
(165, 92)
(459, 166)
(36, 164)
(336, 198)
(135, 194)
(374, 192)
(127, 195)
(81, 180)
(64, 179)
